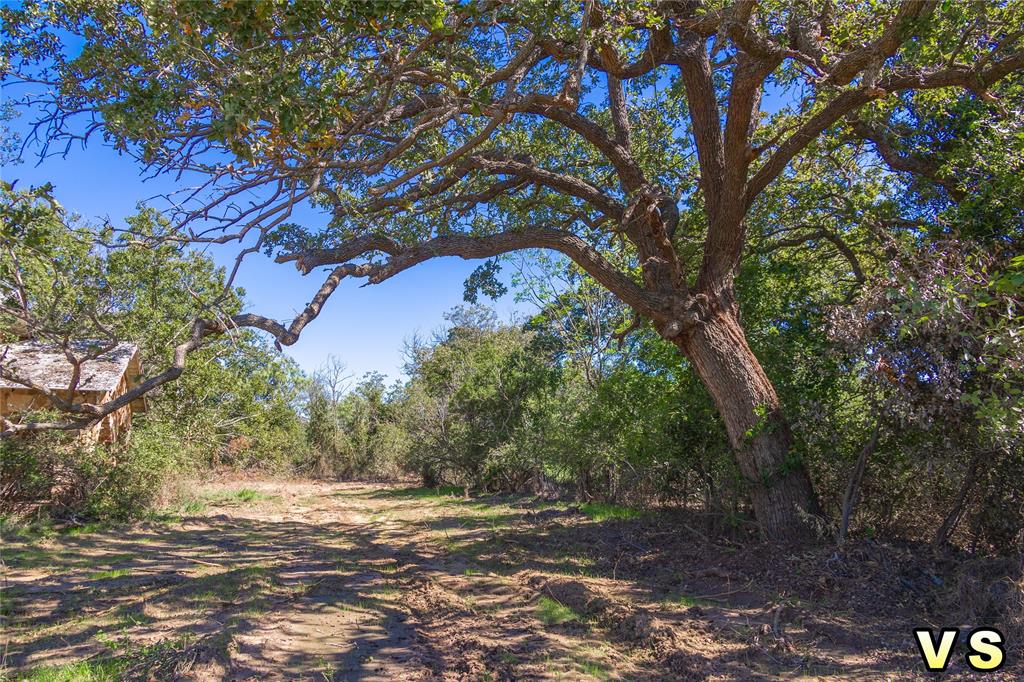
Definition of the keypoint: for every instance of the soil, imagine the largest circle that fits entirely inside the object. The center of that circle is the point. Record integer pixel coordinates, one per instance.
(270, 580)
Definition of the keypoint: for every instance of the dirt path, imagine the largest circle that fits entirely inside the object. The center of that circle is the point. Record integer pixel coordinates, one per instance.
(299, 580)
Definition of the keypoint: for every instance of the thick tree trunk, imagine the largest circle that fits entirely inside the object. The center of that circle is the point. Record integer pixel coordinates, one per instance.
(780, 487)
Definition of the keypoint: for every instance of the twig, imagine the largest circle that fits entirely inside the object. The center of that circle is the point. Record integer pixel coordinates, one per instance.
(716, 596)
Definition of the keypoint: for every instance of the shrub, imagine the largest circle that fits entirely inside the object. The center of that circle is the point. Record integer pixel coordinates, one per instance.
(55, 475)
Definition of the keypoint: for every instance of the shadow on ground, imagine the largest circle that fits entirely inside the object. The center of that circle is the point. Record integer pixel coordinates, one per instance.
(358, 582)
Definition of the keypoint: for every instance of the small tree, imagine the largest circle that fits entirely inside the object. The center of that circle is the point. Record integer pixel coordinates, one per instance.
(469, 393)
(324, 427)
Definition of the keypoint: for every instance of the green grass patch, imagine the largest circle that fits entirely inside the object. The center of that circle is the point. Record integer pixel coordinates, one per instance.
(193, 507)
(479, 505)
(592, 668)
(599, 511)
(242, 586)
(493, 519)
(112, 573)
(131, 616)
(540, 504)
(201, 502)
(14, 527)
(30, 557)
(555, 613)
(245, 495)
(84, 529)
(7, 610)
(421, 493)
(84, 671)
(249, 495)
(359, 605)
(204, 598)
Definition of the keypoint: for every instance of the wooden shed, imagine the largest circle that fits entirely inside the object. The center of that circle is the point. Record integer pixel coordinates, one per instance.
(102, 379)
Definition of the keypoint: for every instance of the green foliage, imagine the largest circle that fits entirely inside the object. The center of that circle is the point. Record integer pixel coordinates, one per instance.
(74, 481)
(351, 432)
(937, 349)
(235, 404)
(484, 280)
(849, 335)
(471, 394)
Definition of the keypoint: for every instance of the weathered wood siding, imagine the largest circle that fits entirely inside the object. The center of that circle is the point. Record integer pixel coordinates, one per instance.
(111, 428)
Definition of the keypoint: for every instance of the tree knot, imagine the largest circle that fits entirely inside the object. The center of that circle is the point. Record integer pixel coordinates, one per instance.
(687, 317)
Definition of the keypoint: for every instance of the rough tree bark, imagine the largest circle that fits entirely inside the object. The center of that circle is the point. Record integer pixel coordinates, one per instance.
(780, 487)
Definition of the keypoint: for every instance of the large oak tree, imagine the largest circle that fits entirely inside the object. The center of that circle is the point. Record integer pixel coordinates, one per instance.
(474, 129)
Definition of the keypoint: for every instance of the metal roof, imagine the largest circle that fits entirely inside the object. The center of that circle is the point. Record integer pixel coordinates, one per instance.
(46, 365)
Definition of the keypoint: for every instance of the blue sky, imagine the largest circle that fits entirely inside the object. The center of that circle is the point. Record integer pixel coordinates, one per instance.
(364, 326)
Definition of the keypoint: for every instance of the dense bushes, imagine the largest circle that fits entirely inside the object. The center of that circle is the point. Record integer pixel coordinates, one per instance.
(918, 377)
(469, 399)
(936, 350)
(55, 476)
(353, 432)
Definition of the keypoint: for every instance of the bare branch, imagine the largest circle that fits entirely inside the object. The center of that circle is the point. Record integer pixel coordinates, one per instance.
(469, 247)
